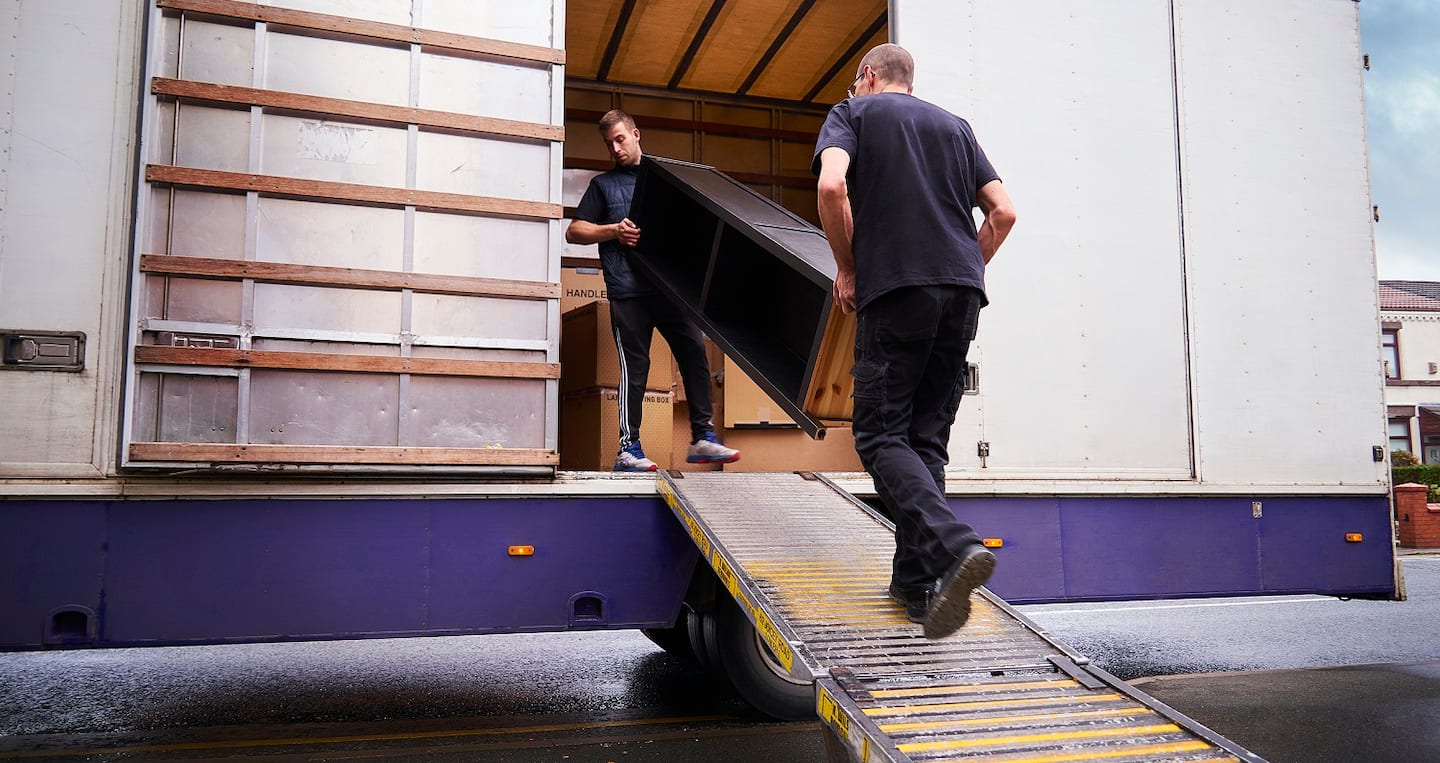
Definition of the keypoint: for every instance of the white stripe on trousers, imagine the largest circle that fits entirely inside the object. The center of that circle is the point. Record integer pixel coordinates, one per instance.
(626, 436)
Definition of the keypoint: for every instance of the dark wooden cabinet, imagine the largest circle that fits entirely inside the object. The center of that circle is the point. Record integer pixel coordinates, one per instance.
(756, 278)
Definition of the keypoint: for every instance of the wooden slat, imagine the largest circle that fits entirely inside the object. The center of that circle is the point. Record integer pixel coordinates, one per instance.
(695, 125)
(375, 30)
(364, 111)
(830, 396)
(753, 178)
(316, 275)
(320, 361)
(354, 192)
(343, 454)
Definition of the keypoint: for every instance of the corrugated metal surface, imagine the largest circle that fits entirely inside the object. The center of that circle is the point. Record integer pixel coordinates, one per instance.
(811, 566)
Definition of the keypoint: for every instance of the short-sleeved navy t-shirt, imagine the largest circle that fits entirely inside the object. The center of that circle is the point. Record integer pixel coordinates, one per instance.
(914, 171)
(606, 201)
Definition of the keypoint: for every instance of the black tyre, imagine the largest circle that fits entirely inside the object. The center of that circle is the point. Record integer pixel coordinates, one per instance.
(752, 669)
(675, 640)
(704, 639)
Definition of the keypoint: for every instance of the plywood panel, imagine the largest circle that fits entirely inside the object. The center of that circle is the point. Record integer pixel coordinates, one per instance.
(811, 48)
(737, 42)
(656, 38)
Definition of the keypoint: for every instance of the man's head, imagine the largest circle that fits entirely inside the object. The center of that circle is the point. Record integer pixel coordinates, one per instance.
(622, 138)
(887, 67)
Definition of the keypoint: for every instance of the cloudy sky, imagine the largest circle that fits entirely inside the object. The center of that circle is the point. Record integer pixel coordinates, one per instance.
(1402, 94)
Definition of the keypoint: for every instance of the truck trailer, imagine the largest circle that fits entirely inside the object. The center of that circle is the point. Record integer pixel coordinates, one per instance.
(304, 381)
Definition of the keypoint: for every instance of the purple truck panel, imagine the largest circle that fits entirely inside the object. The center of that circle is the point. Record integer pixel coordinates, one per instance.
(121, 573)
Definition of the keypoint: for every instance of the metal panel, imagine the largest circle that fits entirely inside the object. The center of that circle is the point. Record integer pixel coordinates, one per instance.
(456, 164)
(1082, 349)
(345, 153)
(479, 246)
(470, 413)
(484, 317)
(312, 408)
(205, 225)
(530, 23)
(212, 139)
(331, 235)
(65, 159)
(218, 53)
(470, 86)
(385, 11)
(337, 69)
(1277, 223)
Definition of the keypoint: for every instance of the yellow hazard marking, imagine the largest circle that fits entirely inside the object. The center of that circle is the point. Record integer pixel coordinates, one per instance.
(1164, 728)
(992, 720)
(921, 691)
(878, 712)
(779, 647)
(1115, 752)
(696, 534)
(830, 712)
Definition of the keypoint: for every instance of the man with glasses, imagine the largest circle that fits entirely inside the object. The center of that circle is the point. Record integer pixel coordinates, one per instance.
(899, 178)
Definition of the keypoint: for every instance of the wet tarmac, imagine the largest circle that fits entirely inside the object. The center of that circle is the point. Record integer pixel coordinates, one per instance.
(614, 696)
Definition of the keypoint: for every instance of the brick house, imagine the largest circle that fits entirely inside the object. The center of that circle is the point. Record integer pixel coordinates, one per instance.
(1410, 349)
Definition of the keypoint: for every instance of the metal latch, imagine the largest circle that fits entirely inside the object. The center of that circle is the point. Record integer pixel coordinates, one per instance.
(42, 350)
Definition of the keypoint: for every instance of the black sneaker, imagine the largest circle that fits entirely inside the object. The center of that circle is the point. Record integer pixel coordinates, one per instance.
(916, 602)
(950, 606)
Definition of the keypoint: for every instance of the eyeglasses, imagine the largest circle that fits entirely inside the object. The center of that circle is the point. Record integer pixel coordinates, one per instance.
(850, 91)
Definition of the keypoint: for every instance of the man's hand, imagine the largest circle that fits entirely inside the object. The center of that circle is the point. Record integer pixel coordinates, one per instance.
(845, 290)
(627, 233)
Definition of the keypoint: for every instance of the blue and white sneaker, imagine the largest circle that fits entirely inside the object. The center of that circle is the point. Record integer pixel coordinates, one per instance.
(632, 459)
(708, 450)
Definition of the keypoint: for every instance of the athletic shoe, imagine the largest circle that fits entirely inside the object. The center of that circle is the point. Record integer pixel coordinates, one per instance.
(632, 459)
(950, 606)
(708, 450)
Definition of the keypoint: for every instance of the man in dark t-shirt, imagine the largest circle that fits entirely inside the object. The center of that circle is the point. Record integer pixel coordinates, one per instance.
(899, 180)
(637, 308)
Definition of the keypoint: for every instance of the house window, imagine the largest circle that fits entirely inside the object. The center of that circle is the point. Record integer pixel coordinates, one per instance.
(1390, 352)
(1400, 435)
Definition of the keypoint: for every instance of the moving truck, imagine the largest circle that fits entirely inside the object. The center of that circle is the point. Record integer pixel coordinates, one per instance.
(280, 288)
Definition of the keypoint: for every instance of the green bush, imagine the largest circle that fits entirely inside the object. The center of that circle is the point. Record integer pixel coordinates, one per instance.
(1424, 474)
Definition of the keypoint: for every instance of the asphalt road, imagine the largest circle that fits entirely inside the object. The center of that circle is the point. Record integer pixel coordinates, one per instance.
(607, 696)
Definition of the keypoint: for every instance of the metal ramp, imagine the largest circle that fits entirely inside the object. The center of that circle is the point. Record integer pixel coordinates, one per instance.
(810, 564)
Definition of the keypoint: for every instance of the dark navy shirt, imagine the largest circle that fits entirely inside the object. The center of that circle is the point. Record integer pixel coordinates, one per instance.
(914, 171)
(607, 201)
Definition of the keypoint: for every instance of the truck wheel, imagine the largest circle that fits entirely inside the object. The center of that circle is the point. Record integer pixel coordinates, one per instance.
(753, 670)
(702, 632)
(675, 640)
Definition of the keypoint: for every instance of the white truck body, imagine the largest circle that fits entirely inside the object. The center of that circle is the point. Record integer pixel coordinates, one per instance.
(1188, 303)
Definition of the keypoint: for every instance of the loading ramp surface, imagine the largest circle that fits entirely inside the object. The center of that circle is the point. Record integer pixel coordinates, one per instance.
(809, 565)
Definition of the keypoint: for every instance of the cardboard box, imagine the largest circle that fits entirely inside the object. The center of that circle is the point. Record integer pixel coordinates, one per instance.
(791, 450)
(589, 358)
(590, 429)
(580, 286)
(748, 405)
(680, 441)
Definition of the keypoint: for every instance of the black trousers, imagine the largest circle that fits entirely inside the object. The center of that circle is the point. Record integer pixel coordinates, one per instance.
(634, 320)
(910, 349)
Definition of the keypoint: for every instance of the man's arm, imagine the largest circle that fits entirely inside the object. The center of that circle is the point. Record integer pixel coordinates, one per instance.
(994, 201)
(586, 232)
(834, 203)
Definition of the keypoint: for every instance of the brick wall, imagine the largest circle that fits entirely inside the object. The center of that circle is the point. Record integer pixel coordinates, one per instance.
(1419, 521)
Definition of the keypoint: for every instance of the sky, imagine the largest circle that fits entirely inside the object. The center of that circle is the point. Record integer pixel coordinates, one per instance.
(1402, 101)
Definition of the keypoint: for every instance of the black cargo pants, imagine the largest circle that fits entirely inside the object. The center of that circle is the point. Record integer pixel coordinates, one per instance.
(634, 320)
(910, 349)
